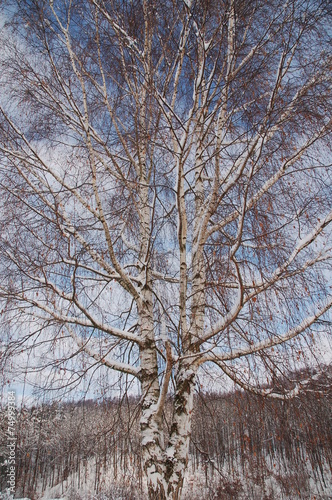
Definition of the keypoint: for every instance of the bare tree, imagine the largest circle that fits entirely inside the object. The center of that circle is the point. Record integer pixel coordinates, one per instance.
(165, 195)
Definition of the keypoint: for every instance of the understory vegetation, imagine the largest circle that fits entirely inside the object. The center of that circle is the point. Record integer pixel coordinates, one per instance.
(242, 446)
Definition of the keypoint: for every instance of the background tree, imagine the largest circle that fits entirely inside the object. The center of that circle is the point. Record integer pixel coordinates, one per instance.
(242, 446)
(165, 196)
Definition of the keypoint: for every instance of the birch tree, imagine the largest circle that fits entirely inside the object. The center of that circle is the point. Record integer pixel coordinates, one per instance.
(166, 197)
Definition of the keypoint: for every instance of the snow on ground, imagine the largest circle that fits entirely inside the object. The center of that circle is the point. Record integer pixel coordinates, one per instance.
(228, 483)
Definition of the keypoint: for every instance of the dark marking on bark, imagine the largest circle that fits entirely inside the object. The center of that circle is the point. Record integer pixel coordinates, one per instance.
(174, 428)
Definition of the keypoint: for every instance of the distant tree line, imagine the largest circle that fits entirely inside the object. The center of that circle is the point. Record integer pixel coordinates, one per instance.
(235, 435)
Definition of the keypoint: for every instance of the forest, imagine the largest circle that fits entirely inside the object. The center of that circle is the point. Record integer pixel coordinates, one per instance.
(243, 446)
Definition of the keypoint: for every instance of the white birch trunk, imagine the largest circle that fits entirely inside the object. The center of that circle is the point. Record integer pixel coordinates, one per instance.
(165, 468)
(177, 452)
(150, 423)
